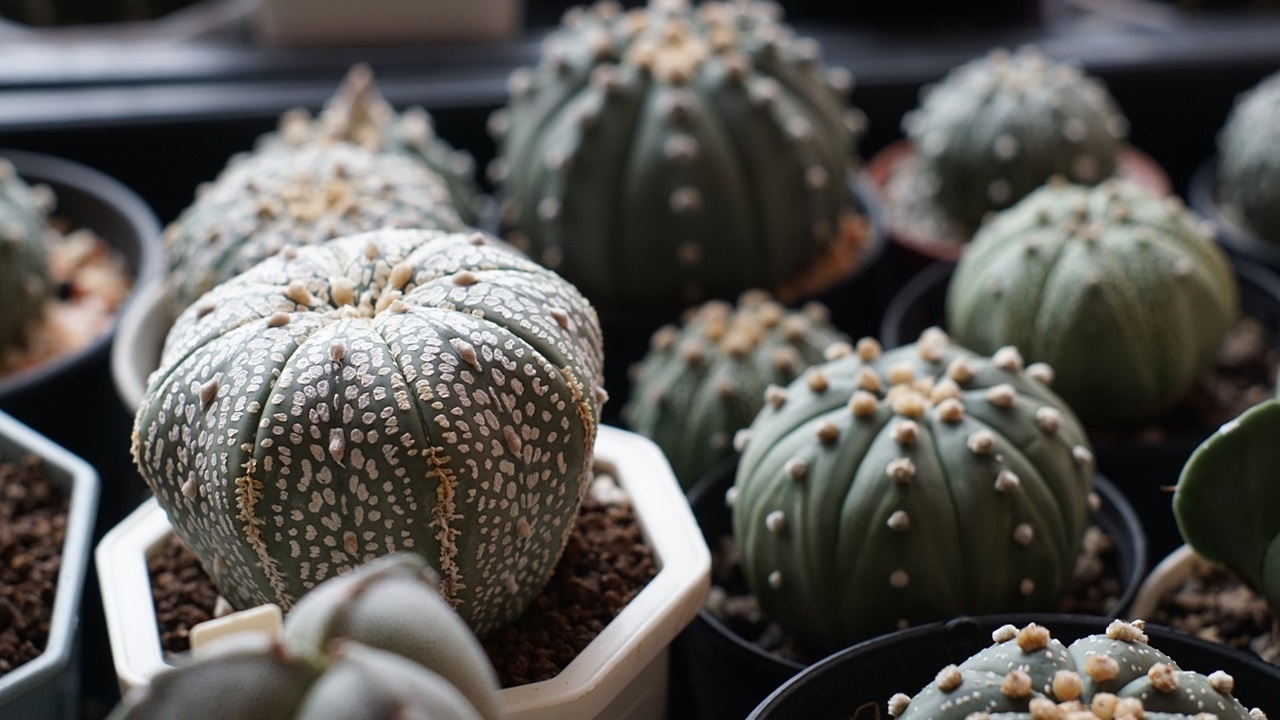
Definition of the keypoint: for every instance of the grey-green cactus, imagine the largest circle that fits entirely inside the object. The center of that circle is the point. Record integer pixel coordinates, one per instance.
(912, 485)
(411, 390)
(998, 127)
(666, 155)
(1249, 161)
(702, 382)
(1029, 675)
(376, 643)
(286, 195)
(1124, 293)
(358, 114)
(25, 286)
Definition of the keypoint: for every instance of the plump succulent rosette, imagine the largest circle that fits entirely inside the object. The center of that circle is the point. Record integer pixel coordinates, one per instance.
(396, 390)
(376, 643)
(1124, 293)
(907, 486)
(664, 155)
(1030, 675)
(297, 195)
(704, 380)
(1249, 160)
(999, 126)
(25, 286)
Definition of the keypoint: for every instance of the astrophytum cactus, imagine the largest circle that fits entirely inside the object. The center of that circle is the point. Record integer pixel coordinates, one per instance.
(25, 286)
(912, 485)
(702, 382)
(287, 195)
(394, 390)
(1249, 161)
(998, 127)
(1124, 293)
(1030, 675)
(358, 114)
(666, 155)
(377, 643)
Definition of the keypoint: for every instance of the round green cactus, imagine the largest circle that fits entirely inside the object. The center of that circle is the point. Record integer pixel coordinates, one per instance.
(1124, 293)
(410, 390)
(1249, 160)
(287, 195)
(908, 486)
(1029, 675)
(701, 383)
(378, 642)
(25, 286)
(359, 114)
(998, 127)
(666, 155)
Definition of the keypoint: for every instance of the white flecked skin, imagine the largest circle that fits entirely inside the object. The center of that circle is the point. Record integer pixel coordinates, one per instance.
(395, 390)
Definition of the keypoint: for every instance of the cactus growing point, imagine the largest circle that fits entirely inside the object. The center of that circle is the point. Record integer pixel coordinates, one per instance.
(25, 286)
(1249, 160)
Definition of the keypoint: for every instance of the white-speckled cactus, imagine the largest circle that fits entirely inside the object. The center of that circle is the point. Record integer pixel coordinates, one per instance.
(907, 486)
(1124, 293)
(393, 390)
(286, 195)
(25, 286)
(998, 127)
(1029, 675)
(377, 643)
(359, 114)
(665, 155)
(702, 382)
(1249, 160)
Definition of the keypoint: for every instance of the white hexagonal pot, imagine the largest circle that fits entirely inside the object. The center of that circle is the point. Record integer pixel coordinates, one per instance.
(622, 674)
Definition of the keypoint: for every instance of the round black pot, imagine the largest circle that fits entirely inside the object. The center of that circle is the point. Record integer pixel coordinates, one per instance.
(856, 683)
(1237, 240)
(1145, 473)
(730, 675)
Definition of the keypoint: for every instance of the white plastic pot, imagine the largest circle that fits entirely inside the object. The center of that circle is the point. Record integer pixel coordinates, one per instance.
(1173, 570)
(140, 335)
(342, 22)
(622, 674)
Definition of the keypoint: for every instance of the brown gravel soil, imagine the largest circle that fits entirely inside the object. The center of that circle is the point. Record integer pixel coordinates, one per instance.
(1215, 605)
(33, 526)
(1094, 589)
(605, 564)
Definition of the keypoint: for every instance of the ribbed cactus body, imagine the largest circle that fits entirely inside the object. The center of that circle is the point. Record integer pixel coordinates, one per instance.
(702, 382)
(1125, 294)
(912, 485)
(25, 286)
(665, 155)
(998, 127)
(393, 390)
(302, 195)
(1249, 160)
(1028, 674)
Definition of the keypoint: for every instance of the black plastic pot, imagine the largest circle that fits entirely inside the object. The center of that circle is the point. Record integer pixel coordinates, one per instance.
(1239, 241)
(855, 684)
(731, 675)
(1145, 473)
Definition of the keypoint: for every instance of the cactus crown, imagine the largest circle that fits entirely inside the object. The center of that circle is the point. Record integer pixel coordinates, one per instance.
(999, 126)
(702, 382)
(394, 390)
(1249, 160)
(888, 488)
(1124, 293)
(24, 256)
(287, 195)
(1028, 674)
(664, 155)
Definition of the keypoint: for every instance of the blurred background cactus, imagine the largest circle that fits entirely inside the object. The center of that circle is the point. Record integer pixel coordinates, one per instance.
(1125, 294)
(1249, 161)
(666, 155)
(703, 381)
(25, 285)
(410, 390)
(81, 12)
(882, 489)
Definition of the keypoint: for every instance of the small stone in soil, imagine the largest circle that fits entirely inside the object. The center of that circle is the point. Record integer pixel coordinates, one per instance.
(33, 526)
(1218, 607)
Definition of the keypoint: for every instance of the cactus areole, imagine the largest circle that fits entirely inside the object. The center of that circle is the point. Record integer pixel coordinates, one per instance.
(666, 155)
(882, 489)
(396, 390)
(1124, 293)
(25, 286)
